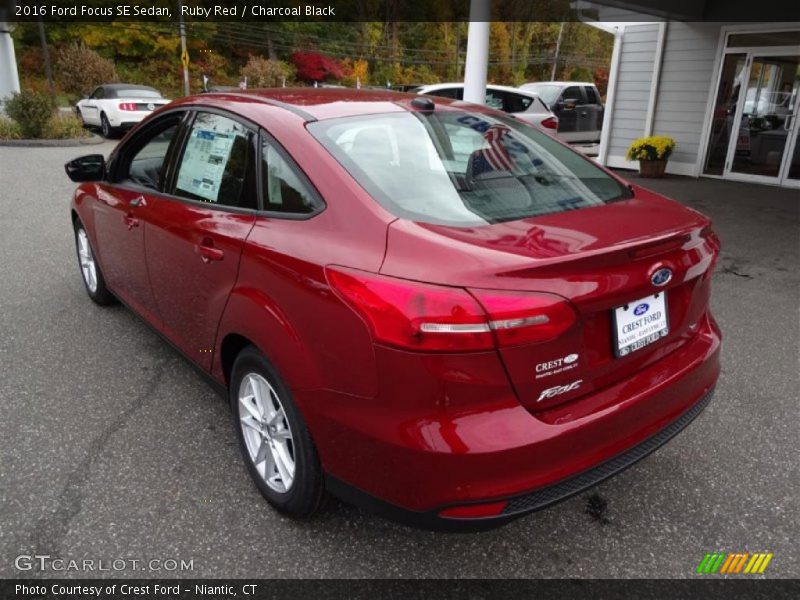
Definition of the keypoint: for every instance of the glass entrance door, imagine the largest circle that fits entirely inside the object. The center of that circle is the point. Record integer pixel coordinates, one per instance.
(762, 144)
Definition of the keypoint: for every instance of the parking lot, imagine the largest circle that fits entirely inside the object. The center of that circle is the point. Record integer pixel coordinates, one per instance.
(112, 446)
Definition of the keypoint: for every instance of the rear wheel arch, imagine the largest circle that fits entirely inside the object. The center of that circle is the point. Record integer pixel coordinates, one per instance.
(270, 333)
(231, 346)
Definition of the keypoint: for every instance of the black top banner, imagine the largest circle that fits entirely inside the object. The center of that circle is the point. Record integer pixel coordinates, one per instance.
(395, 10)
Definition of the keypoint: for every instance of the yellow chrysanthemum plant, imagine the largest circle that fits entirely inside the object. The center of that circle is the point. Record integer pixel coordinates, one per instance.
(655, 147)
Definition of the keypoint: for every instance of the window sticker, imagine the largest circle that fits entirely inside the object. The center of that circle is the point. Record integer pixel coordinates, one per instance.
(204, 161)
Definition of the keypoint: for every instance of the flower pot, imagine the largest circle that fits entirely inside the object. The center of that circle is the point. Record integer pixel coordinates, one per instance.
(652, 168)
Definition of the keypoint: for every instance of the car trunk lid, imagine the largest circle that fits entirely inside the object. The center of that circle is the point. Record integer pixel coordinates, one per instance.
(597, 259)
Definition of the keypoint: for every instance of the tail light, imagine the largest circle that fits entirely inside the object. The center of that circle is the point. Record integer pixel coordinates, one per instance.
(525, 317)
(127, 106)
(550, 123)
(709, 234)
(421, 316)
(713, 239)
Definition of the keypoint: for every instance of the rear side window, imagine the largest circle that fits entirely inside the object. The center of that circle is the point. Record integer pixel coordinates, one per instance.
(217, 163)
(516, 102)
(454, 93)
(494, 99)
(283, 190)
(591, 95)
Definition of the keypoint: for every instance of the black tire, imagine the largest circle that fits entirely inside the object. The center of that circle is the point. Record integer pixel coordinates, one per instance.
(105, 127)
(306, 492)
(100, 294)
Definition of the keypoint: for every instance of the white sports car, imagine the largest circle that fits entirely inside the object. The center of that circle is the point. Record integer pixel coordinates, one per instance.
(116, 106)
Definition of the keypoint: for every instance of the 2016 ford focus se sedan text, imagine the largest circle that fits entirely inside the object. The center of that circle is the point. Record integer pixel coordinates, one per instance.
(422, 306)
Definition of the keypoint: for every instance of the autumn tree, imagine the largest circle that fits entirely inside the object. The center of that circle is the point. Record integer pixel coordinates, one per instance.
(312, 66)
(265, 72)
(79, 69)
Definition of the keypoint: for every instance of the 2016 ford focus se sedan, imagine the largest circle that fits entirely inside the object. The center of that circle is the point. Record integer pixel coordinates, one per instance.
(422, 306)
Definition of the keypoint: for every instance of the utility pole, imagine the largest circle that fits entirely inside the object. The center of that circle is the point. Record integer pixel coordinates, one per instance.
(457, 75)
(184, 53)
(558, 49)
(46, 56)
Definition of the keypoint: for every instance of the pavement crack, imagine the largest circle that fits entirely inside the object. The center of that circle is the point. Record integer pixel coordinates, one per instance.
(51, 529)
(733, 271)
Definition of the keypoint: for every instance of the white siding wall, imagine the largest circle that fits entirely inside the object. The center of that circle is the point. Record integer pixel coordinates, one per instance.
(687, 78)
(685, 83)
(633, 87)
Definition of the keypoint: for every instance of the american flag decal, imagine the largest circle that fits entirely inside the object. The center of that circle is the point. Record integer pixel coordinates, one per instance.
(496, 156)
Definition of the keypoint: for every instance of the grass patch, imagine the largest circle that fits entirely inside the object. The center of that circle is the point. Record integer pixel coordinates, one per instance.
(9, 130)
(64, 127)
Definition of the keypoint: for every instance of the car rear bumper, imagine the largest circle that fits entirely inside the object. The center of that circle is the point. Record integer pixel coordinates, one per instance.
(411, 467)
(129, 120)
(525, 503)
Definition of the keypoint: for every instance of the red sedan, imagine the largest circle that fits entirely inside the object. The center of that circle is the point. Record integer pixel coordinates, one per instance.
(421, 306)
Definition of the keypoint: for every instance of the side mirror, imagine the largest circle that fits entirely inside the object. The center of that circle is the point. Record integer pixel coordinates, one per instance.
(86, 168)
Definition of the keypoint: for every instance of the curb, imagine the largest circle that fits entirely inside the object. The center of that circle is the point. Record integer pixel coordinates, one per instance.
(74, 142)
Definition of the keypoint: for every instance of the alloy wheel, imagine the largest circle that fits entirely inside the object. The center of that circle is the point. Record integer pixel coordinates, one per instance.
(267, 433)
(86, 259)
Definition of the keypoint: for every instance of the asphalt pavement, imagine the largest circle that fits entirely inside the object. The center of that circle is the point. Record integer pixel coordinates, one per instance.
(113, 447)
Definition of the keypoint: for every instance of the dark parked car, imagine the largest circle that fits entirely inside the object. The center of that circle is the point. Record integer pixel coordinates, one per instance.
(428, 308)
(577, 106)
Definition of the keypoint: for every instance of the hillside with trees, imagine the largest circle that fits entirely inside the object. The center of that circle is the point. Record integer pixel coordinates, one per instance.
(269, 54)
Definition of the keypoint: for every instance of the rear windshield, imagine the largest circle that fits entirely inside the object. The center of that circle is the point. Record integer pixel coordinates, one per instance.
(135, 93)
(463, 168)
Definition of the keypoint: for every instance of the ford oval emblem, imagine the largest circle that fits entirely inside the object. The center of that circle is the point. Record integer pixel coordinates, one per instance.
(661, 277)
(641, 309)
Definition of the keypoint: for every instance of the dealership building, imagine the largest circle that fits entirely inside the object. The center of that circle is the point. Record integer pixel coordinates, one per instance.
(727, 92)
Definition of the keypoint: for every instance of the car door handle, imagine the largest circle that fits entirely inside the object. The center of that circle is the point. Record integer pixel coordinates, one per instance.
(208, 252)
(140, 201)
(130, 221)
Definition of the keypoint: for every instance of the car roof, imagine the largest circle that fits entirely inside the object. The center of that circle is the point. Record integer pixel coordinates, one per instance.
(318, 103)
(489, 86)
(559, 83)
(126, 86)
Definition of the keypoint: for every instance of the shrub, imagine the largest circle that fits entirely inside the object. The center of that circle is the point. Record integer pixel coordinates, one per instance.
(657, 147)
(64, 126)
(262, 72)
(80, 69)
(31, 111)
(9, 130)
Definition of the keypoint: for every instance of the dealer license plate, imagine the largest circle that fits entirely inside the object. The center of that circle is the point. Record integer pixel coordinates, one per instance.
(640, 323)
